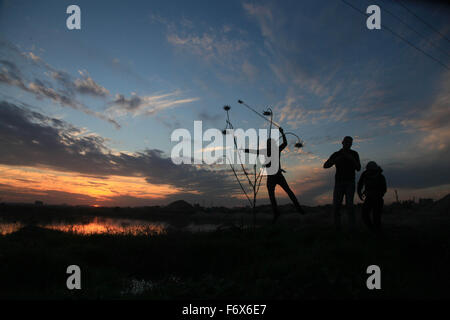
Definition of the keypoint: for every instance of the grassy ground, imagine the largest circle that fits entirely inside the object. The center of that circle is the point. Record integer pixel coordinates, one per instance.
(296, 259)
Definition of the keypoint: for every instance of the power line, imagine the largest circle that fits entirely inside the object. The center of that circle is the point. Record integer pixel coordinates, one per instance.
(414, 46)
(417, 32)
(423, 21)
(400, 37)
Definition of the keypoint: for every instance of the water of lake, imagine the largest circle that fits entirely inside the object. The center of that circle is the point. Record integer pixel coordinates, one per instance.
(100, 225)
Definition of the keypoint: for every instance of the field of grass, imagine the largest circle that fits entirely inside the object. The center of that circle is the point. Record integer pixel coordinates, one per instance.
(299, 258)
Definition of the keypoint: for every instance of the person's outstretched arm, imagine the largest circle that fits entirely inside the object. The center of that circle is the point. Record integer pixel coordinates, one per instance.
(330, 162)
(257, 151)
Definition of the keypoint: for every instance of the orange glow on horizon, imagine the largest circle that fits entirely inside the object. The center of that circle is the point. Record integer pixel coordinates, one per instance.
(102, 190)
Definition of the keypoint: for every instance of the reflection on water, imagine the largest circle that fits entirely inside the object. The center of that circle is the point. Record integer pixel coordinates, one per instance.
(9, 227)
(111, 226)
(99, 225)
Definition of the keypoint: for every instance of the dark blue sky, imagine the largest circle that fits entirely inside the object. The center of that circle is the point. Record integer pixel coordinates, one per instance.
(137, 70)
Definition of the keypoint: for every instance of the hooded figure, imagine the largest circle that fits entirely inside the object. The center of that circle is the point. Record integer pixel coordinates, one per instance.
(374, 184)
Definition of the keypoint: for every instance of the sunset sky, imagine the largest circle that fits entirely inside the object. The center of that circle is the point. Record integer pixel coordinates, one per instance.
(86, 115)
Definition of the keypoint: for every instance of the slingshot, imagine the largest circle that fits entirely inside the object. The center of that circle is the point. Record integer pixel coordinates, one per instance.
(269, 112)
(255, 179)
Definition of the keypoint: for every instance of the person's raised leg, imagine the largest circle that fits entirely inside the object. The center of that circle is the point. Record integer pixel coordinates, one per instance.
(283, 183)
(271, 190)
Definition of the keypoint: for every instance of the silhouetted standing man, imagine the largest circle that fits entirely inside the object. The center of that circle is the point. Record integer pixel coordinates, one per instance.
(346, 162)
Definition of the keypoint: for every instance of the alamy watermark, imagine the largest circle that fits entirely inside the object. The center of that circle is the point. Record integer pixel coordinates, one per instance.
(230, 146)
(74, 280)
(73, 22)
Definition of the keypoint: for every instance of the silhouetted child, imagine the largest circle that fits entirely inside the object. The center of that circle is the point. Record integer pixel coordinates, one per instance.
(374, 184)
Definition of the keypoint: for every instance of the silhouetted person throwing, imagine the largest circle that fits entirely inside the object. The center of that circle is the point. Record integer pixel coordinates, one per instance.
(346, 162)
(278, 179)
(374, 184)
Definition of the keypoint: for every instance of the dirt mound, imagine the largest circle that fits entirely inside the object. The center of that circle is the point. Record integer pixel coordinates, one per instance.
(180, 206)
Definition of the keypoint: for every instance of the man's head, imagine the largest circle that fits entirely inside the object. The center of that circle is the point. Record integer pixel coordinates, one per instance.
(347, 143)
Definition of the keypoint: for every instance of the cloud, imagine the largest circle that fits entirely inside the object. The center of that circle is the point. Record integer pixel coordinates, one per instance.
(36, 59)
(312, 181)
(282, 51)
(147, 105)
(63, 78)
(292, 112)
(35, 140)
(23, 195)
(419, 172)
(207, 117)
(67, 88)
(41, 181)
(434, 121)
(223, 49)
(11, 75)
(88, 86)
(41, 90)
(85, 85)
(249, 70)
(264, 16)
(210, 46)
(301, 66)
(170, 121)
(425, 164)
